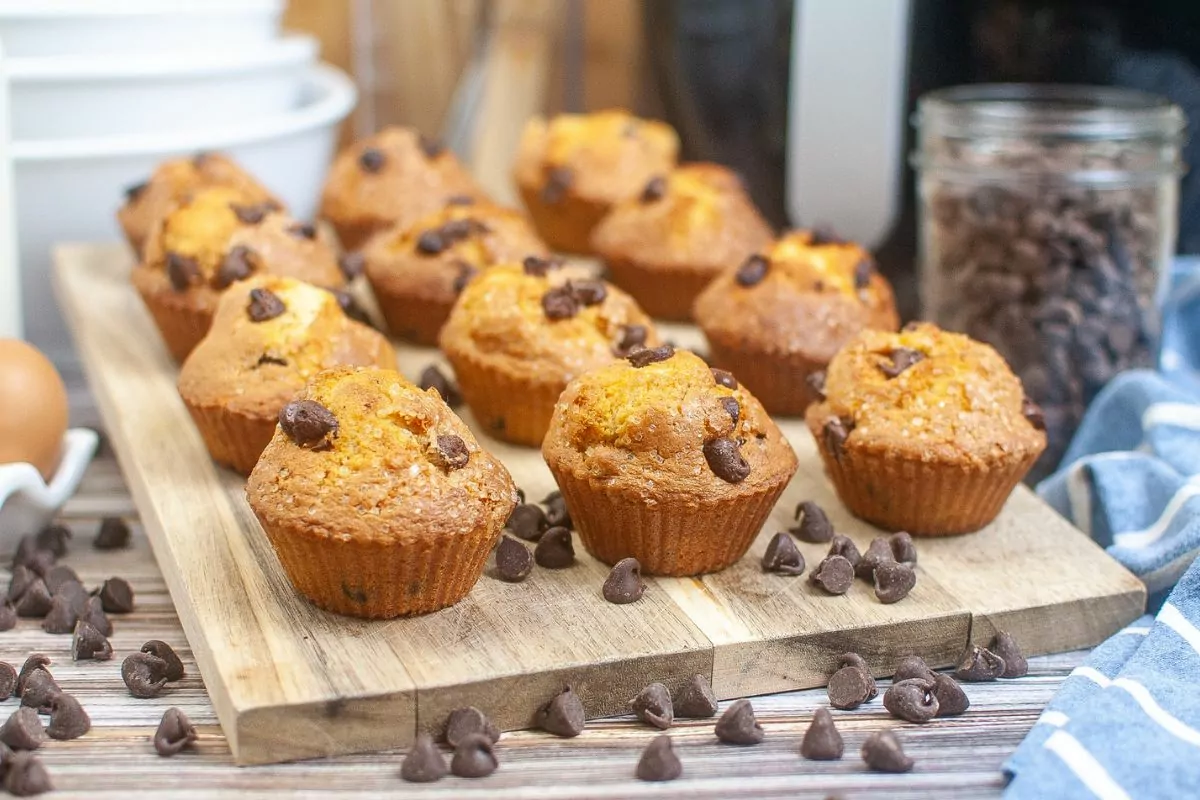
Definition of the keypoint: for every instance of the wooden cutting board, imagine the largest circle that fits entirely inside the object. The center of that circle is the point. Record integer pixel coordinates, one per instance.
(290, 681)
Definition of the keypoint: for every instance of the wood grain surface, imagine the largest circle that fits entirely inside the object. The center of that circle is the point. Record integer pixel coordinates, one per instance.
(290, 681)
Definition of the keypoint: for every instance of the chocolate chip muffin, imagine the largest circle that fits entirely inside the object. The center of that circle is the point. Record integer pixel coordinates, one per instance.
(148, 202)
(684, 228)
(520, 332)
(417, 271)
(571, 169)
(208, 241)
(665, 460)
(779, 316)
(377, 499)
(270, 335)
(392, 178)
(924, 431)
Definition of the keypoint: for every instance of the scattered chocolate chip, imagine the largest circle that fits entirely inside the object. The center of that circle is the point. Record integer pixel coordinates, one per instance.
(25, 776)
(901, 359)
(731, 406)
(39, 690)
(371, 160)
(632, 338)
(175, 732)
(560, 303)
(134, 191)
(752, 271)
(36, 559)
(563, 715)
(474, 757)
(1033, 412)
(144, 675)
(835, 433)
(93, 614)
(658, 761)
(654, 190)
(466, 273)
(34, 601)
(57, 575)
(62, 615)
(35, 661)
(904, 549)
(451, 452)
(589, 293)
(174, 664)
(738, 724)
(844, 546)
(182, 271)
(308, 424)
(558, 181)
(68, 720)
(249, 214)
(723, 378)
(893, 581)
(424, 762)
(851, 685)
(912, 667)
(862, 273)
(834, 574)
(624, 583)
(469, 721)
(116, 596)
(434, 378)
(23, 730)
(113, 534)
(556, 510)
(879, 552)
(813, 524)
(650, 355)
(89, 643)
(815, 381)
(430, 242)
(514, 562)
(653, 706)
(22, 578)
(782, 556)
(1005, 647)
(8, 617)
(822, 742)
(539, 267)
(696, 699)
(53, 538)
(432, 148)
(555, 549)
(952, 700)
(527, 521)
(75, 593)
(724, 458)
(912, 700)
(979, 664)
(264, 305)
(882, 752)
(8, 680)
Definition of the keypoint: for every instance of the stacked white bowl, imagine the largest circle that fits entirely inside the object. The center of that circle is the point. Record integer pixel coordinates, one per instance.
(101, 92)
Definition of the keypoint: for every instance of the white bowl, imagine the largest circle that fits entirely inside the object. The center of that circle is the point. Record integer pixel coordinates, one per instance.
(77, 27)
(27, 502)
(69, 191)
(66, 97)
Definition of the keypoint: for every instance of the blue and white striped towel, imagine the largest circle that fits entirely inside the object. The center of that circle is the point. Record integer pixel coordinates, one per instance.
(1126, 724)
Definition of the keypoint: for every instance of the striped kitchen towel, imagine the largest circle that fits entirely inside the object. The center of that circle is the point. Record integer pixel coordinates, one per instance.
(1126, 724)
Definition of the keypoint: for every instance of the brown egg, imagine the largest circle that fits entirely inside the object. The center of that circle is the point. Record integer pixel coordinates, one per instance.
(33, 408)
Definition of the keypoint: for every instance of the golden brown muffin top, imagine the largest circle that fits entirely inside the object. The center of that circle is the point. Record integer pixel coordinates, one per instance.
(696, 216)
(809, 292)
(604, 157)
(396, 176)
(269, 336)
(545, 322)
(663, 422)
(941, 395)
(362, 454)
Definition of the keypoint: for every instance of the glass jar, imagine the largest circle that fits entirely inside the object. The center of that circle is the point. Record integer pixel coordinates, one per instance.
(1048, 217)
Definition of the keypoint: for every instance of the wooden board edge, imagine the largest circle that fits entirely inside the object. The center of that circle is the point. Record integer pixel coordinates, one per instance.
(1080, 624)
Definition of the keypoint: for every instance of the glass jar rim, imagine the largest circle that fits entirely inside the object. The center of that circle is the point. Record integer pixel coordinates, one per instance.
(1057, 110)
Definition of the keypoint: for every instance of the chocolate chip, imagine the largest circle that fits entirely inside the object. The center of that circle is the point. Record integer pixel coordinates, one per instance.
(834, 574)
(351, 265)
(53, 538)
(469, 721)
(514, 562)
(912, 667)
(134, 191)
(434, 378)
(563, 715)
(653, 706)
(68, 720)
(658, 761)
(815, 381)
(144, 675)
(8, 617)
(89, 644)
(724, 458)
(23, 730)
(901, 359)
(371, 160)
(650, 355)
(8, 680)
(264, 305)
(34, 662)
(822, 742)
(173, 669)
(624, 583)
(835, 433)
(474, 757)
(1005, 647)
(882, 752)
(93, 614)
(1033, 412)
(912, 700)
(35, 558)
(182, 271)
(34, 601)
(723, 378)
(39, 690)
(62, 615)
(893, 581)
(556, 510)
(113, 534)
(632, 338)
(451, 452)
(527, 522)
(696, 699)
(59, 574)
(250, 214)
(731, 406)
(432, 148)
(589, 293)
(752, 271)
(823, 235)
(116, 596)
(539, 267)
(424, 762)
(904, 549)
(308, 424)
(863, 271)
(175, 733)
(466, 273)
(852, 684)
(952, 700)
(22, 578)
(239, 263)
(430, 242)
(979, 664)
(351, 308)
(879, 552)
(844, 546)
(25, 776)
(738, 724)
(655, 189)
(782, 556)
(555, 549)
(814, 526)
(558, 181)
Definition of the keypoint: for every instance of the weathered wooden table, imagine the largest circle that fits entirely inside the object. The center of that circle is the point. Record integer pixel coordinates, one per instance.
(956, 758)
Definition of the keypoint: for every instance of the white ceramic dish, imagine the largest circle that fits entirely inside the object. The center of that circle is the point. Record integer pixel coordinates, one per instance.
(27, 502)
(77, 27)
(66, 97)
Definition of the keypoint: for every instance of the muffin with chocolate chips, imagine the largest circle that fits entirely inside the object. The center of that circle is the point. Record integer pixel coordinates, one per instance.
(571, 169)
(172, 181)
(684, 228)
(924, 431)
(209, 241)
(663, 459)
(377, 499)
(269, 337)
(520, 332)
(417, 271)
(776, 319)
(392, 178)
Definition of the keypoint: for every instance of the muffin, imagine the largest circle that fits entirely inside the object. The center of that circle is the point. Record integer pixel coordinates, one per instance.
(663, 459)
(148, 202)
(779, 316)
(572, 169)
(684, 228)
(924, 431)
(377, 499)
(395, 177)
(212, 239)
(270, 335)
(520, 332)
(417, 271)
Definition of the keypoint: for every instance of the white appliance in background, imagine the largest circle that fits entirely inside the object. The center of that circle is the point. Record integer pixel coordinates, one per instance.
(10, 275)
